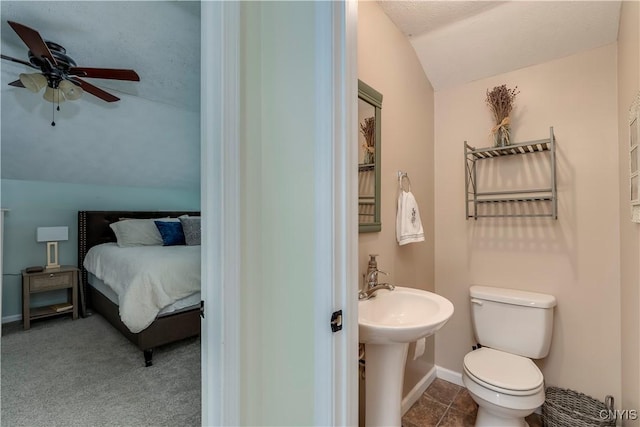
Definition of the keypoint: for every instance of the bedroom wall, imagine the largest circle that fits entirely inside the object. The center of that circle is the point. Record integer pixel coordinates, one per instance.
(388, 63)
(628, 86)
(576, 257)
(35, 204)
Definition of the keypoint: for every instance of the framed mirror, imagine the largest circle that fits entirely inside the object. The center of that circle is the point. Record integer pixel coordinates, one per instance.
(369, 156)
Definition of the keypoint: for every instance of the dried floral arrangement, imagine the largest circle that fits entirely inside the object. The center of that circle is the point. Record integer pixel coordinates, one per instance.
(500, 99)
(368, 130)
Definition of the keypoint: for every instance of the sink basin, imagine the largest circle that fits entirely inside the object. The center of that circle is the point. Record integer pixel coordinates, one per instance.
(387, 324)
(403, 315)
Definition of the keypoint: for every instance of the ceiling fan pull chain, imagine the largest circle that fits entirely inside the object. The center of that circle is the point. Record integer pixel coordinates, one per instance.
(53, 115)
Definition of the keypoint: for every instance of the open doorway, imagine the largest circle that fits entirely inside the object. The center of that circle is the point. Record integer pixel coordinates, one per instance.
(140, 153)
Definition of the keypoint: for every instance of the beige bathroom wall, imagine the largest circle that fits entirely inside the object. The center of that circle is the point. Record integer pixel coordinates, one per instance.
(576, 257)
(388, 63)
(628, 86)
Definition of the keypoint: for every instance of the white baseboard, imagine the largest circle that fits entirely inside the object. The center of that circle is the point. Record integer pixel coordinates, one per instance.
(435, 372)
(449, 375)
(417, 391)
(14, 318)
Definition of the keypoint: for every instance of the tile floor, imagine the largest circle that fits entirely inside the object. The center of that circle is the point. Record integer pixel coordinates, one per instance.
(445, 404)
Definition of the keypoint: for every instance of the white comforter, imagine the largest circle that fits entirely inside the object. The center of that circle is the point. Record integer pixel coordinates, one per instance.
(145, 278)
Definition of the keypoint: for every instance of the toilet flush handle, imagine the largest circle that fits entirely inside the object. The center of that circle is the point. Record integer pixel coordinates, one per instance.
(476, 301)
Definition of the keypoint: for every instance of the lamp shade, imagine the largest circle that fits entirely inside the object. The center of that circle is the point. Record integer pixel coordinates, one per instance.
(34, 81)
(53, 95)
(52, 234)
(70, 91)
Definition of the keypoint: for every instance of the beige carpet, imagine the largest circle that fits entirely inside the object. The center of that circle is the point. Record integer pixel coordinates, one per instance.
(84, 373)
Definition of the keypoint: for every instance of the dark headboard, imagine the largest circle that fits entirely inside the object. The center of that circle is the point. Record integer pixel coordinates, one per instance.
(93, 229)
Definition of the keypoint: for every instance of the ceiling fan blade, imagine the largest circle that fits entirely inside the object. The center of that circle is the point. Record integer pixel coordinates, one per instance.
(17, 83)
(105, 73)
(19, 61)
(34, 42)
(94, 90)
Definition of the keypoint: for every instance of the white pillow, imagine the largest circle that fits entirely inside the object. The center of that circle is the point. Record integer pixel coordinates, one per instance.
(137, 232)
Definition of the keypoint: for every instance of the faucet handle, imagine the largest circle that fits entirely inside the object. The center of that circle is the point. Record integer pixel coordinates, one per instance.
(380, 271)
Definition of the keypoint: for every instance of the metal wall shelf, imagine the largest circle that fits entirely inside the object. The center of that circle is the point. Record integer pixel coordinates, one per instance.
(538, 202)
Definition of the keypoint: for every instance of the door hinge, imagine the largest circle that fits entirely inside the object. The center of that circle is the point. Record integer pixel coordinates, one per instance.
(202, 309)
(336, 321)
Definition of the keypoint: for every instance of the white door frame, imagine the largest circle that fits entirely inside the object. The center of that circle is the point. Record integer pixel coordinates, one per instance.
(220, 170)
(337, 399)
(336, 394)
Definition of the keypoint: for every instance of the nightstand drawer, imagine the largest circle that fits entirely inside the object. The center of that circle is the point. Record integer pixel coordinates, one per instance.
(51, 281)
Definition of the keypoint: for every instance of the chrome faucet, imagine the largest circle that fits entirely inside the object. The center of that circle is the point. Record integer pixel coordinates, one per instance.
(371, 279)
(371, 292)
(370, 283)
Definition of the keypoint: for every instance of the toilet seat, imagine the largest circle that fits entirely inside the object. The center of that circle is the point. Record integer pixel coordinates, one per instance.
(503, 372)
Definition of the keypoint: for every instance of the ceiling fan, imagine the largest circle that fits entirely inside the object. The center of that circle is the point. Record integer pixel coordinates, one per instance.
(58, 72)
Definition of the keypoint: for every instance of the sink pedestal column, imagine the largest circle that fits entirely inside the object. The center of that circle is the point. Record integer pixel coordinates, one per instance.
(384, 377)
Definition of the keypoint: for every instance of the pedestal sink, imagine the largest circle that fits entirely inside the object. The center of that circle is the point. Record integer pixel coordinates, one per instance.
(388, 322)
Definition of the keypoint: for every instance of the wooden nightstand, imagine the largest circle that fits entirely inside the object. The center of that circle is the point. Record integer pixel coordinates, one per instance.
(65, 277)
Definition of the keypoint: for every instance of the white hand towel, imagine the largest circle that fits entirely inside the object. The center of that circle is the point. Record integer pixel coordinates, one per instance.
(408, 224)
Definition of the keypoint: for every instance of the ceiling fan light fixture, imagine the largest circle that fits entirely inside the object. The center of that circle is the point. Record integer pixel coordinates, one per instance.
(34, 81)
(53, 95)
(59, 73)
(70, 90)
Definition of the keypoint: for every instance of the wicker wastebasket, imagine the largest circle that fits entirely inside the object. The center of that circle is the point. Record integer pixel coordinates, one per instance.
(568, 408)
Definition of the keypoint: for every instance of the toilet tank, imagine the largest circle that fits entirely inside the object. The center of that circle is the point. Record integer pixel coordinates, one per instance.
(518, 322)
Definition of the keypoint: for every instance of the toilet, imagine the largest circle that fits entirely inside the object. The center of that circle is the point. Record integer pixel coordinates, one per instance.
(512, 327)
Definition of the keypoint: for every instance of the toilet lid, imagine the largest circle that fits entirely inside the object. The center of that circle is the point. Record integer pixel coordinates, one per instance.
(504, 370)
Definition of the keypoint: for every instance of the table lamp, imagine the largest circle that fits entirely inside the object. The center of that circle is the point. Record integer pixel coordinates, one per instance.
(52, 235)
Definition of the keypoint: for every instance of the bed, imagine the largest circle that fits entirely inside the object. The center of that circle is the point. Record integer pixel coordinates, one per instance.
(169, 326)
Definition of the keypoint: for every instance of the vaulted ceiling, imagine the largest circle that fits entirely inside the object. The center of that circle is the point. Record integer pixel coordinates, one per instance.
(151, 137)
(461, 41)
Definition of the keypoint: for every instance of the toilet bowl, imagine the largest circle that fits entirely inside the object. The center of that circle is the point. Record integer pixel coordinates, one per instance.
(506, 387)
(512, 327)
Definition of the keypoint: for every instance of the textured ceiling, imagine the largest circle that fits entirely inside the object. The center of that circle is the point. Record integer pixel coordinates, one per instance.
(151, 137)
(462, 41)
(418, 17)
